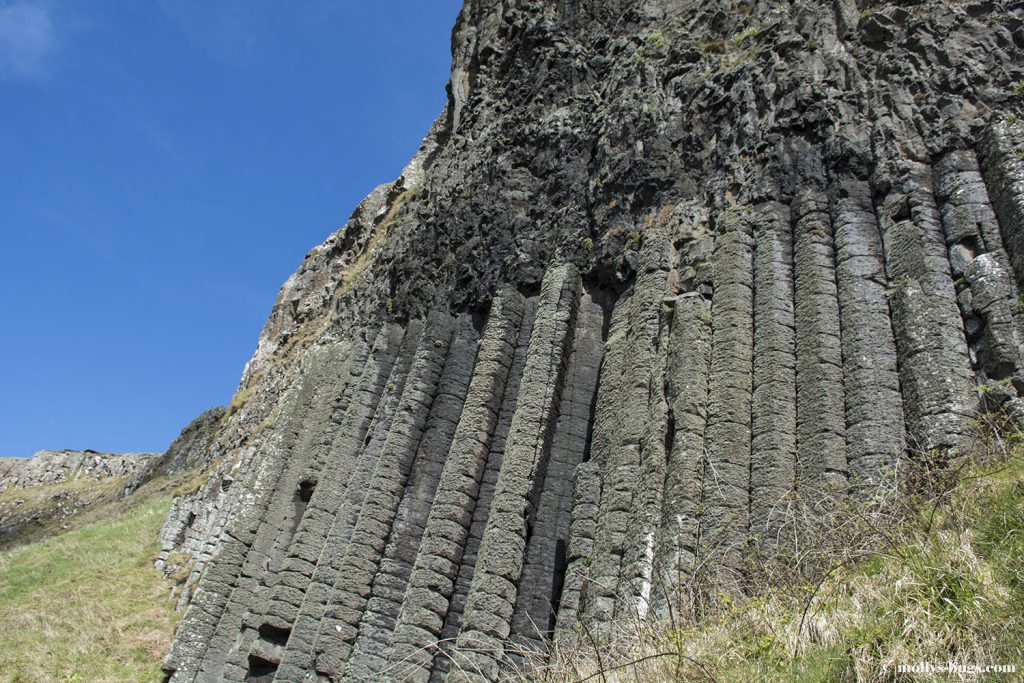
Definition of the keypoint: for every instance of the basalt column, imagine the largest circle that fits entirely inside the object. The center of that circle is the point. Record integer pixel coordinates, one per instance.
(368, 539)
(295, 486)
(432, 582)
(390, 583)
(647, 354)
(543, 572)
(629, 446)
(935, 374)
(1003, 169)
(820, 416)
(495, 456)
(689, 356)
(875, 436)
(354, 453)
(486, 622)
(773, 443)
(986, 289)
(726, 478)
(269, 623)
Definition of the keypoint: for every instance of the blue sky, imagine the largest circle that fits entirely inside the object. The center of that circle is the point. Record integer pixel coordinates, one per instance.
(164, 166)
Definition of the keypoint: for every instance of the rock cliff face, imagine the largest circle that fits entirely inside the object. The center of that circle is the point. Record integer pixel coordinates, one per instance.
(660, 268)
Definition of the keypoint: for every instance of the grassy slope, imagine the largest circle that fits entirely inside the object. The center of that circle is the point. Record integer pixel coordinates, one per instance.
(44, 511)
(87, 605)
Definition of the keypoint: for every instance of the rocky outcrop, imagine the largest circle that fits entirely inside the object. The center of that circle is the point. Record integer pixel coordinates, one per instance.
(54, 467)
(660, 270)
(39, 495)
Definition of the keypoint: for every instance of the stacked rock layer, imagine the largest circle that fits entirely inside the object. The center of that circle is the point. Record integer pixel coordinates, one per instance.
(660, 269)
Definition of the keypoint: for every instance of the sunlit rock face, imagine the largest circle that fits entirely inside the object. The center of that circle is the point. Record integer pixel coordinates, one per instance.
(660, 270)
(56, 467)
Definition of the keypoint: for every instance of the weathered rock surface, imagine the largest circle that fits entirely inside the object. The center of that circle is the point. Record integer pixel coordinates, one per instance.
(38, 495)
(660, 267)
(54, 467)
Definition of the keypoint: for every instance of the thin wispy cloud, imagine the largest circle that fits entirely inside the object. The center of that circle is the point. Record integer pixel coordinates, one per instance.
(26, 41)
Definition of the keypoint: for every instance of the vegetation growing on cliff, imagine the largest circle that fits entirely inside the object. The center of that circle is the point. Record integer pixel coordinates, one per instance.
(942, 583)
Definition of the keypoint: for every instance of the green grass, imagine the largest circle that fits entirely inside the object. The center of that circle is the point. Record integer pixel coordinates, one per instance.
(88, 605)
(750, 32)
(44, 506)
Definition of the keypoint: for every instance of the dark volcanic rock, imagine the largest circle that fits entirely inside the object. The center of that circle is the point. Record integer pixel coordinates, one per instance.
(659, 267)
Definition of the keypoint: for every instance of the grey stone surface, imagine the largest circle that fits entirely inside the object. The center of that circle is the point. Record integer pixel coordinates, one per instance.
(657, 269)
(54, 467)
(773, 398)
(725, 516)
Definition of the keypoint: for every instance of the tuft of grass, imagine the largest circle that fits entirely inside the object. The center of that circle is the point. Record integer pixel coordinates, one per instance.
(88, 605)
(244, 395)
(712, 47)
(380, 231)
(655, 41)
(750, 32)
